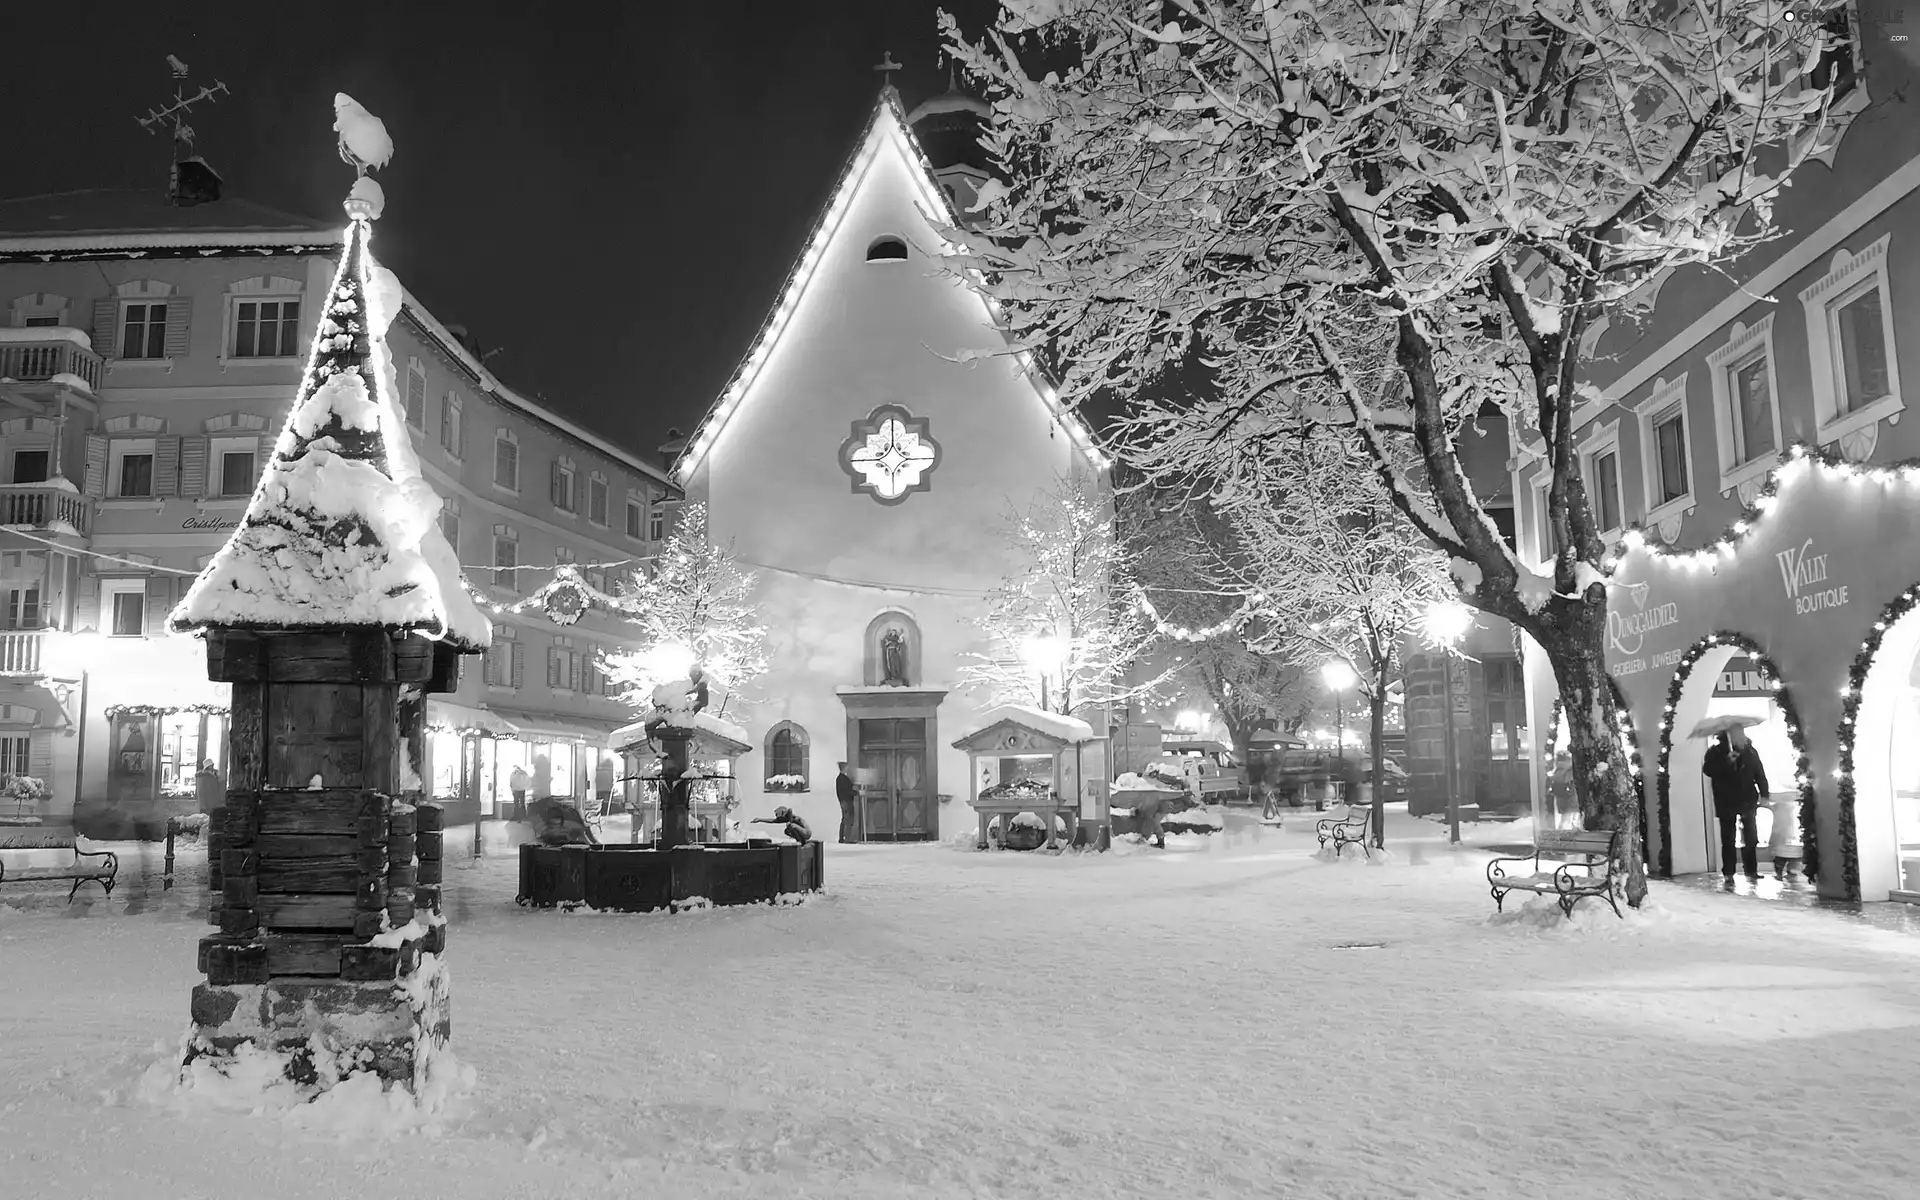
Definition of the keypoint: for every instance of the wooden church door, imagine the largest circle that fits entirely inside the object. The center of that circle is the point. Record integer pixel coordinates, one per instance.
(896, 802)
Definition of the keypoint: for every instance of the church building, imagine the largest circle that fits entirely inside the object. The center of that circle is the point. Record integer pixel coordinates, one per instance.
(863, 462)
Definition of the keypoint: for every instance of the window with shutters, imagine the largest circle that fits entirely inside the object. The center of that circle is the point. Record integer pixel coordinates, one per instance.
(143, 330)
(130, 467)
(597, 500)
(500, 657)
(506, 558)
(562, 486)
(265, 328)
(23, 608)
(16, 755)
(592, 683)
(560, 668)
(786, 758)
(29, 466)
(451, 428)
(656, 523)
(416, 395)
(506, 460)
(450, 525)
(123, 607)
(636, 519)
(233, 466)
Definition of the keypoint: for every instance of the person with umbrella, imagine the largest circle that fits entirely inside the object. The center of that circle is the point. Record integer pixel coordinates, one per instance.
(1739, 783)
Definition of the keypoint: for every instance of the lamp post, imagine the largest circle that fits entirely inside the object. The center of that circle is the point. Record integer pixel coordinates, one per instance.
(1448, 622)
(1338, 677)
(1042, 653)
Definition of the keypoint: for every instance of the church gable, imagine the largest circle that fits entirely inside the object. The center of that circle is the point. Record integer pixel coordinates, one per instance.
(867, 293)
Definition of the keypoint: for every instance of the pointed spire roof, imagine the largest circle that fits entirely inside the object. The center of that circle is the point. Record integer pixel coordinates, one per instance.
(342, 529)
(887, 127)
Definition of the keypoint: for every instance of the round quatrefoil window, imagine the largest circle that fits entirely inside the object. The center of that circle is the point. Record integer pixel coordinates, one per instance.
(890, 455)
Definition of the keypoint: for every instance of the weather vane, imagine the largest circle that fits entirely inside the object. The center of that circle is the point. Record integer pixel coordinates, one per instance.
(182, 104)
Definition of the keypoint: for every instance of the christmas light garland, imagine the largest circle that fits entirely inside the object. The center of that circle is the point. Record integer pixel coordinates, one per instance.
(1182, 633)
(162, 710)
(1803, 766)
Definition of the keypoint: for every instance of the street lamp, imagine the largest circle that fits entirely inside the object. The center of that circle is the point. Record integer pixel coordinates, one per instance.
(1339, 676)
(1447, 623)
(1043, 652)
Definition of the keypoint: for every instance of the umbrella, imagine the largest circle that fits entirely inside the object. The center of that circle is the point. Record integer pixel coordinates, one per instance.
(1714, 726)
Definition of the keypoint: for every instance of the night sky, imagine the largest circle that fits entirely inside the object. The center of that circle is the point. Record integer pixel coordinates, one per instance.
(610, 194)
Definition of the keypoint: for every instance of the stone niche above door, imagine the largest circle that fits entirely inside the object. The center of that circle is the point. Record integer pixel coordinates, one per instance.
(904, 667)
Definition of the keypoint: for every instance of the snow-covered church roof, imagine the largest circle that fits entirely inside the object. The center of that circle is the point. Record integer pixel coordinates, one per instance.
(342, 528)
(888, 131)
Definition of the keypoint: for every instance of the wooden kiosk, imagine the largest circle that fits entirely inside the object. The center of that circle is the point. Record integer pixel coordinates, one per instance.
(1027, 760)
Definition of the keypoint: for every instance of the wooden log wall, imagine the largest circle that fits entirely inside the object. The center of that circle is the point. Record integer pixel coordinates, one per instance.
(304, 875)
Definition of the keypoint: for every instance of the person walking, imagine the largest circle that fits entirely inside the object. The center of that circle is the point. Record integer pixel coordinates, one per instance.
(1739, 784)
(849, 806)
(517, 784)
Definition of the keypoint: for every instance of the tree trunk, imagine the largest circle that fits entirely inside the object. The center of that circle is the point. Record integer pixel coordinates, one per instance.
(1377, 734)
(1603, 777)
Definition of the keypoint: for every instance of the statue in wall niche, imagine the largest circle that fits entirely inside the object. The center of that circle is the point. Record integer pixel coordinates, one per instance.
(893, 658)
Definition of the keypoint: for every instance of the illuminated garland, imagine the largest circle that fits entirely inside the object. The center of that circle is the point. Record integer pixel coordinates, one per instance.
(1623, 721)
(162, 710)
(1182, 633)
(1902, 605)
(1800, 458)
(564, 599)
(1803, 765)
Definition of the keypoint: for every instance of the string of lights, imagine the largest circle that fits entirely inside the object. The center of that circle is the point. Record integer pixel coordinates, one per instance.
(131, 562)
(1182, 633)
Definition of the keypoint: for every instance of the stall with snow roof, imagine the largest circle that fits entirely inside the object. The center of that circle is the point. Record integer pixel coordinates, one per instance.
(676, 753)
(1024, 769)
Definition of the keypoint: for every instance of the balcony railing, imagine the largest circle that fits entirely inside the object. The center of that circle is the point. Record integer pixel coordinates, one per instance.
(20, 651)
(43, 506)
(40, 359)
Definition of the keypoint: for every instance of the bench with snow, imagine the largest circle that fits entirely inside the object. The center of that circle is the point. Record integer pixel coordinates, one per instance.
(101, 872)
(1594, 853)
(1350, 830)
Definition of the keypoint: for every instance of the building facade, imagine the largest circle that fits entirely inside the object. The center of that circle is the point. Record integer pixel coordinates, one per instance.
(865, 473)
(148, 355)
(1746, 453)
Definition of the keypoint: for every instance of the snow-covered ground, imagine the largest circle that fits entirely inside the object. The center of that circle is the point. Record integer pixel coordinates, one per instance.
(946, 1023)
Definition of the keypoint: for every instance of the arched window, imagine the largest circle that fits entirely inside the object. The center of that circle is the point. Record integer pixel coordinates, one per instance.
(786, 758)
(887, 249)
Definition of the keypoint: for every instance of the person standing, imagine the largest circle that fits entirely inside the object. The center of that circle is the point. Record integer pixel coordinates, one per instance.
(209, 790)
(517, 784)
(849, 806)
(1739, 784)
(603, 782)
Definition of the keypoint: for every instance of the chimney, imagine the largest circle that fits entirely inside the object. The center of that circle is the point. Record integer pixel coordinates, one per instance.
(671, 449)
(193, 182)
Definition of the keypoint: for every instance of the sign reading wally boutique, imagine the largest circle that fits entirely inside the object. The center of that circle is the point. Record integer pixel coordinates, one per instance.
(1801, 587)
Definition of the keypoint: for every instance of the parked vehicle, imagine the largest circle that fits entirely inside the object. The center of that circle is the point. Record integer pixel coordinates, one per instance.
(1209, 770)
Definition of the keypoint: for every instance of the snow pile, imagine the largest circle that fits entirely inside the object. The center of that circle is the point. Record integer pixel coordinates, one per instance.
(1071, 730)
(1132, 782)
(347, 1103)
(338, 538)
(1194, 818)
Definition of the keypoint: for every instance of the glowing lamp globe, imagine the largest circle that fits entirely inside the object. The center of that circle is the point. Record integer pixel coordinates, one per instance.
(1448, 622)
(1043, 651)
(1337, 675)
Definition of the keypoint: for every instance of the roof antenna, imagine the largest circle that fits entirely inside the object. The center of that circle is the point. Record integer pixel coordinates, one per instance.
(191, 181)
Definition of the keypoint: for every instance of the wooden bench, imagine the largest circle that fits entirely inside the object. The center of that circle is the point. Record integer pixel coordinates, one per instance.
(1586, 850)
(1350, 830)
(101, 872)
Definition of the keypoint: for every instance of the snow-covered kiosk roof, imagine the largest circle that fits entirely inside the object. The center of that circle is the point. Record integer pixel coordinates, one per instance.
(342, 529)
(712, 736)
(1019, 729)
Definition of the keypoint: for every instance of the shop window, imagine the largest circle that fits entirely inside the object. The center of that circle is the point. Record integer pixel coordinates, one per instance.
(597, 500)
(130, 466)
(786, 758)
(506, 460)
(266, 328)
(29, 466)
(23, 608)
(123, 607)
(143, 330)
(1856, 372)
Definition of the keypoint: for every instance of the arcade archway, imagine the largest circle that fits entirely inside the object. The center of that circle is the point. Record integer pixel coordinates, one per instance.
(1879, 784)
(1703, 687)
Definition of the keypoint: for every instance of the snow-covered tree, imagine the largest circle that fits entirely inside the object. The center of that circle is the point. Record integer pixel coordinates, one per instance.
(1337, 565)
(1064, 615)
(1386, 216)
(690, 604)
(1192, 570)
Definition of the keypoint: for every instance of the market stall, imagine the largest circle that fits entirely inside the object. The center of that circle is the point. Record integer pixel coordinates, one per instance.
(712, 800)
(1024, 765)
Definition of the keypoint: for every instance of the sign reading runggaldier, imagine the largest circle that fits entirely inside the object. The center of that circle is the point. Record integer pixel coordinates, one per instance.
(1627, 633)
